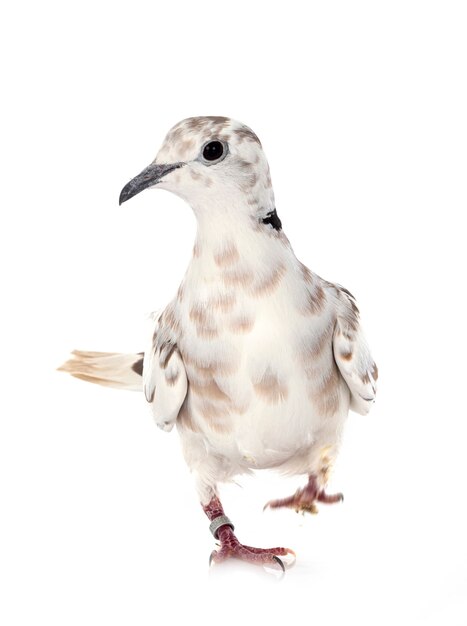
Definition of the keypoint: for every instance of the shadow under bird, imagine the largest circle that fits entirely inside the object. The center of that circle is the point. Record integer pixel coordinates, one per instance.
(256, 360)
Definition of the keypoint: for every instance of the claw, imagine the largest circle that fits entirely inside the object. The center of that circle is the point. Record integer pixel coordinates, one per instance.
(278, 560)
(330, 498)
(211, 557)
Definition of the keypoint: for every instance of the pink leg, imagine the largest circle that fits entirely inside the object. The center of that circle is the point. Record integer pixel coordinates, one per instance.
(231, 547)
(305, 499)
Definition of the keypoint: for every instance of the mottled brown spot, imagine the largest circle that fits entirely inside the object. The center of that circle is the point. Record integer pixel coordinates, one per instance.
(237, 277)
(185, 147)
(169, 319)
(171, 377)
(270, 283)
(329, 381)
(194, 375)
(246, 166)
(208, 127)
(217, 119)
(194, 123)
(197, 250)
(221, 302)
(313, 347)
(194, 174)
(209, 368)
(349, 316)
(307, 275)
(246, 134)
(315, 301)
(210, 390)
(242, 324)
(346, 355)
(207, 332)
(175, 135)
(185, 418)
(248, 182)
(270, 388)
(198, 313)
(374, 372)
(165, 353)
(227, 255)
(181, 292)
(325, 394)
(204, 321)
(365, 378)
(220, 426)
(241, 409)
(216, 415)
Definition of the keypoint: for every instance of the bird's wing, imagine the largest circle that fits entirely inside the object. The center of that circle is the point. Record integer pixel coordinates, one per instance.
(352, 354)
(164, 376)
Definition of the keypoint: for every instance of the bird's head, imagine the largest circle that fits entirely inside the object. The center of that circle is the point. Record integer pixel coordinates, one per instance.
(216, 164)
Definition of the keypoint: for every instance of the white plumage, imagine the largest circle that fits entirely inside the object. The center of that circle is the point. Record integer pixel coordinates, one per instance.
(256, 359)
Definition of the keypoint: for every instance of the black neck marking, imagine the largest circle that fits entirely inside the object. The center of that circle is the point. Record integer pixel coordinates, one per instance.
(273, 219)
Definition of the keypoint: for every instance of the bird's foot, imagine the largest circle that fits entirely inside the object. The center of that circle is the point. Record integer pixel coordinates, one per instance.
(304, 500)
(230, 547)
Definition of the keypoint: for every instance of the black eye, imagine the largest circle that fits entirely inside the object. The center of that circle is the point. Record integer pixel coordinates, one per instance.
(213, 151)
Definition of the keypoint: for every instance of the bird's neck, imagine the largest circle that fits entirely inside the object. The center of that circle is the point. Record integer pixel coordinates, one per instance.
(231, 244)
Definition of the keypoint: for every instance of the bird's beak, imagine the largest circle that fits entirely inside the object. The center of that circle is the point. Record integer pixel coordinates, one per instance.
(147, 178)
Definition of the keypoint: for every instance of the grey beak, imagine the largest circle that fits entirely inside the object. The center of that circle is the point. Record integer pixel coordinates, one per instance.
(147, 178)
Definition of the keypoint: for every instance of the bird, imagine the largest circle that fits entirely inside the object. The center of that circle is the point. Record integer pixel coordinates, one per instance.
(256, 360)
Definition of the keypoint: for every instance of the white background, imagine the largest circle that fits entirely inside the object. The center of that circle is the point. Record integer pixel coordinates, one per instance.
(361, 108)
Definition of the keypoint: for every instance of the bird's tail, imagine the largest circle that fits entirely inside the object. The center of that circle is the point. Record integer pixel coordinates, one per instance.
(111, 369)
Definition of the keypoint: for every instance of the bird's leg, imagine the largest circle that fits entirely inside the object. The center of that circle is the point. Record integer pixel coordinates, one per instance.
(304, 499)
(223, 530)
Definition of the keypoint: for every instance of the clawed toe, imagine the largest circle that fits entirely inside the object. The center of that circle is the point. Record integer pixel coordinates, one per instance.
(229, 546)
(304, 500)
(257, 556)
(330, 498)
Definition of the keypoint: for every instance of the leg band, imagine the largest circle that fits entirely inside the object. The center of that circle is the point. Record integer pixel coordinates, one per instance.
(217, 522)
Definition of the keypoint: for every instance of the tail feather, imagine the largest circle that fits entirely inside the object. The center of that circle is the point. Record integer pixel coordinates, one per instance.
(111, 369)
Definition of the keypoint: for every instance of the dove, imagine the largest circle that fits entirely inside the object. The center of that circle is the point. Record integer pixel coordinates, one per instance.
(256, 360)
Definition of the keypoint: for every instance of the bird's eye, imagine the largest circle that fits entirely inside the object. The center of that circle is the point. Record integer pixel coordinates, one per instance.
(213, 151)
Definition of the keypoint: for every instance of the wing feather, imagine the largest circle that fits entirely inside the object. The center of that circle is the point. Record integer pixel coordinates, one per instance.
(164, 377)
(352, 355)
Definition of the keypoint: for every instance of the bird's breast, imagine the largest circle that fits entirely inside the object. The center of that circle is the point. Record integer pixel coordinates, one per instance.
(256, 389)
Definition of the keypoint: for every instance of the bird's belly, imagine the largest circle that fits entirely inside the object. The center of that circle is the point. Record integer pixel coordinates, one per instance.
(257, 397)
(263, 424)
(284, 435)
